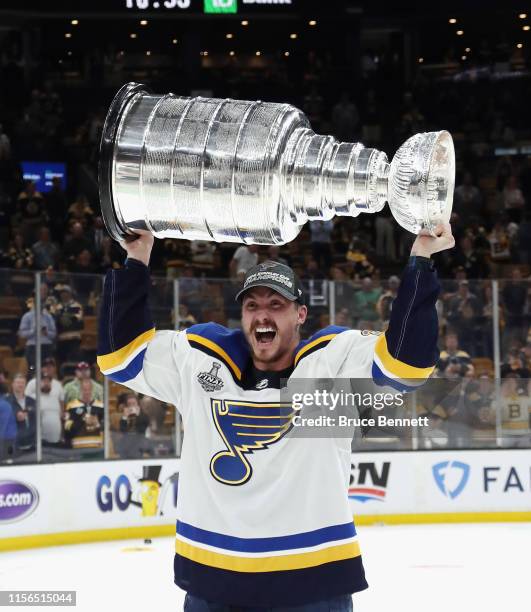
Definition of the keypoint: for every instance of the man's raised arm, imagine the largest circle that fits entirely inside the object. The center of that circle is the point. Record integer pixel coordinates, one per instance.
(130, 351)
(406, 354)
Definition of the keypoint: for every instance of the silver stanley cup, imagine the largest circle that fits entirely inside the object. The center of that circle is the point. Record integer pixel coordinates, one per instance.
(254, 172)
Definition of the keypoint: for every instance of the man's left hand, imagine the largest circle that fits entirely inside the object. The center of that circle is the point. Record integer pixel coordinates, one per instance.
(426, 244)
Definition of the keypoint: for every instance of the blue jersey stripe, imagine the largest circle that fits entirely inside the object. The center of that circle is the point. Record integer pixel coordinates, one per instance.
(384, 381)
(132, 370)
(295, 541)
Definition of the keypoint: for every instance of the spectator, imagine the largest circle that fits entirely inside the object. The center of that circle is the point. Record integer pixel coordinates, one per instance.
(202, 252)
(480, 401)
(186, 318)
(513, 200)
(111, 255)
(515, 406)
(99, 234)
(84, 281)
(72, 389)
(471, 261)
(468, 202)
(463, 315)
(18, 255)
(46, 253)
(190, 291)
(244, 258)
(27, 331)
(68, 315)
(49, 368)
(385, 235)
(500, 251)
(51, 410)
(8, 430)
(344, 291)
(81, 212)
(459, 421)
(23, 408)
(360, 265)
(385, 301)
(365, 304)
(31, 211)
(75, 242)
(84, 420)
(130, 441)
(515, 365)
(453, 354)
(321, 236)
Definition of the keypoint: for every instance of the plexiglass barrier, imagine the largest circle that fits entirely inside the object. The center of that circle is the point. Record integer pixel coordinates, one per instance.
(477, 397)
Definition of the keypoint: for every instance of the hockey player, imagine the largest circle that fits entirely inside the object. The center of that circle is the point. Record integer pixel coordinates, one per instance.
(263, 519)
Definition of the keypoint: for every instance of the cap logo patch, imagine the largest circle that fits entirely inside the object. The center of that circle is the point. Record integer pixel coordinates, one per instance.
(268, 276)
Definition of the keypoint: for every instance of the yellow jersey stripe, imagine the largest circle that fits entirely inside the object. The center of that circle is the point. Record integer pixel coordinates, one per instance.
(310, 345)
(396, 367)
(111, 360)
(267, 564)
(218, 350)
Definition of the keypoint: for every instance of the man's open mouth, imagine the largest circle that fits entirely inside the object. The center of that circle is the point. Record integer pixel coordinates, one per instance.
(265, 335)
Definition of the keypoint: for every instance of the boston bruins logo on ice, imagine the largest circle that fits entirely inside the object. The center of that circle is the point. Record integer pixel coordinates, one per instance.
(210, 381)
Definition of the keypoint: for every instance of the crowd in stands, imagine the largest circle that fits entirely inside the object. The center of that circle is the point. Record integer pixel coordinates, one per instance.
(61, 234)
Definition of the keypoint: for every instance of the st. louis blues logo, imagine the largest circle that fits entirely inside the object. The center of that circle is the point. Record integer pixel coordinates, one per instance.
(210, 381)
(245, 427)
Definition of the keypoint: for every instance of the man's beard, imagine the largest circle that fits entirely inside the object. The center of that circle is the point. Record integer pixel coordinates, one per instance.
(279, 353)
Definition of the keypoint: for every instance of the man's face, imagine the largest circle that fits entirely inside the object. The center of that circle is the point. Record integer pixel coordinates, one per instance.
(83, 373)
(451, 342)
(46, 385)
(86, 393)
(271, 324)
(19, 384)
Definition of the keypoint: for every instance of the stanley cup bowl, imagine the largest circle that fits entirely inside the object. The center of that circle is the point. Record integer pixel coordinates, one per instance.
(254, 172)
(421, 182)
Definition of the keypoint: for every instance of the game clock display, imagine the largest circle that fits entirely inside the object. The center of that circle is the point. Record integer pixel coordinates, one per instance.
(143, 5)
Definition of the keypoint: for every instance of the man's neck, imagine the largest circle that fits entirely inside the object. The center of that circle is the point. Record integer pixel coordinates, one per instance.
(277, 366)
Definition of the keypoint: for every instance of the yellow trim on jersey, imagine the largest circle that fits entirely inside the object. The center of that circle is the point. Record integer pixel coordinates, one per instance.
(267, 564)
(311, 344)
(111, 360)
(218, 350)
(396, 367)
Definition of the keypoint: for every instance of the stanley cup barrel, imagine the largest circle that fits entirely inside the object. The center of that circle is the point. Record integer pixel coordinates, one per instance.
(254, 172)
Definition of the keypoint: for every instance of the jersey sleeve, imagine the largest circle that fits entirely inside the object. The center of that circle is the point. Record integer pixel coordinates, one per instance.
(404, 356)
(130, 350)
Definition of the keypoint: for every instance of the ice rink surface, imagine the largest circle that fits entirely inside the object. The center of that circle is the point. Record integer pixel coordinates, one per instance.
(426, 568)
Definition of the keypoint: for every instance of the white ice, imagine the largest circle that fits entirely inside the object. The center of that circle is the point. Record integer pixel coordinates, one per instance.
(427, 568)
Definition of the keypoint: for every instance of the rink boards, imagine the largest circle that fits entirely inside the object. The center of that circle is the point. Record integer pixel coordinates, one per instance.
(44, 505)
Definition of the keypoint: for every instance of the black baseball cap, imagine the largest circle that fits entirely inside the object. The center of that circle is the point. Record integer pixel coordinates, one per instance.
(276, 276)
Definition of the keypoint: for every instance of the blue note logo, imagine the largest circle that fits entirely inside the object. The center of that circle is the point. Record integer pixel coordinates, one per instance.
(245, 427)
(451, 477)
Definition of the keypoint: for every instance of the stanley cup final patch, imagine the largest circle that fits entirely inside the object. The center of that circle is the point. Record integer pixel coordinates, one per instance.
(210, 381)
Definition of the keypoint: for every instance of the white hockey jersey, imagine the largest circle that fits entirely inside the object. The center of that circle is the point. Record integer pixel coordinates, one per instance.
(263, 519)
